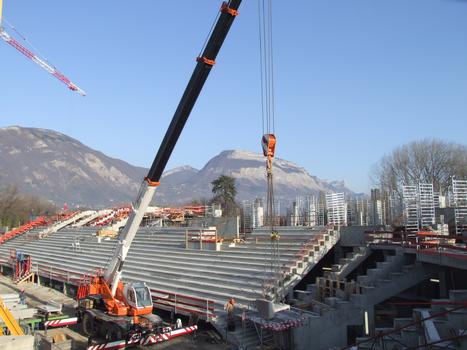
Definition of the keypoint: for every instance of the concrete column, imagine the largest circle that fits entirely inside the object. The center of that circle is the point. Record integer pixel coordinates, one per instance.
(443, 283)
(64, 288)
(369, 320)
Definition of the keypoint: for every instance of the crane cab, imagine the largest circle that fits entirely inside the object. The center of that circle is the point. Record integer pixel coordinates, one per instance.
(138, 297)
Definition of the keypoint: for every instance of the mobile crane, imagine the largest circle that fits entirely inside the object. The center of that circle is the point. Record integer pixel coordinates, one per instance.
(107, 307)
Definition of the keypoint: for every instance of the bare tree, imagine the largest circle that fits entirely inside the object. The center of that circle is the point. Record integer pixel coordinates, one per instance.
(16, 209)
(428, 160)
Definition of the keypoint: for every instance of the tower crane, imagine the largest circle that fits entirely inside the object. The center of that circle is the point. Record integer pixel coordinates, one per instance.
(41, 62)
(124, 311)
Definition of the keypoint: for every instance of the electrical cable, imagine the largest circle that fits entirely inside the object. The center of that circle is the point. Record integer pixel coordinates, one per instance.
(209, 34)
(35, 49)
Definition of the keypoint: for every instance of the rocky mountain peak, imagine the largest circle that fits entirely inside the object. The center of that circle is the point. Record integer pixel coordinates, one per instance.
(57, 167)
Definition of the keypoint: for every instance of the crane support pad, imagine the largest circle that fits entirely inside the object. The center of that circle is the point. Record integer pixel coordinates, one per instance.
(226, 9)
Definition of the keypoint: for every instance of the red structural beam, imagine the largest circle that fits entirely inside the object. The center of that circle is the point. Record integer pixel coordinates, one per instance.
(22, 229)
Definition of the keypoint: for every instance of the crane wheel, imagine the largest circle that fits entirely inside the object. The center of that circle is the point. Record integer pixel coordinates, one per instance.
(89, 325)
(113, 332)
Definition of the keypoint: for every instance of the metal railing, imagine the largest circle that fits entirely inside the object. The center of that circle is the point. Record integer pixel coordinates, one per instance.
(424, 243)
(165, 300)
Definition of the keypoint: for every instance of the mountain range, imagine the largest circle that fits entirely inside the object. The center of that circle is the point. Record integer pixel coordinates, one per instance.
(57, 167)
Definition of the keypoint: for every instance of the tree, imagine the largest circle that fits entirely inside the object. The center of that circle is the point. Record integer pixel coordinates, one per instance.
(429, 160)
(224, 192)
(9, 198)
(16, 209)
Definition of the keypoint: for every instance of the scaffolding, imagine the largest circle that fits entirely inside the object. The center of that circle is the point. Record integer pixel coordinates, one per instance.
(311, 211)
(336, 208)
(427, 205)
(459, 196)
(410, 201)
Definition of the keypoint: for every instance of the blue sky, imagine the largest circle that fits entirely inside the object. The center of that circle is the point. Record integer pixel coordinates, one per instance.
(354, 79)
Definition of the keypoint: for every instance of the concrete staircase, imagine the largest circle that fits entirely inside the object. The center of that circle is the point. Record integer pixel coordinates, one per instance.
(351, 261)
(242, 338)
(105, 216)
(63, 223)
(437, 327)
(340, 308)
(388, 279)
(85, 220)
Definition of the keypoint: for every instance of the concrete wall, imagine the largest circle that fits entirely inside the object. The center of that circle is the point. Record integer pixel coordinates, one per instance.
(327, 331)
(354, 236)
(228, 227)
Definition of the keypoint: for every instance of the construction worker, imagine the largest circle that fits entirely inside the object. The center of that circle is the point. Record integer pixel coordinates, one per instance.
(178, 324)
(22, 297)
(229, 308)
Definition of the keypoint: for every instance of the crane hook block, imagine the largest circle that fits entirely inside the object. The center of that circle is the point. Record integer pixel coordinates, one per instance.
(226, 9)
(152, 183)
(206, 61)
(269, 145)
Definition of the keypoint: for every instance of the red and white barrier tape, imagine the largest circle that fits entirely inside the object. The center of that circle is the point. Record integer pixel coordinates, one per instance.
(118, 344)
(62, 322)
(151, 339)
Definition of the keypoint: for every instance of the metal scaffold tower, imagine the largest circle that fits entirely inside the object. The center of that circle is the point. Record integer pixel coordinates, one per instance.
(427, 204)
(459, 194)
(410, 201)
(337, 209)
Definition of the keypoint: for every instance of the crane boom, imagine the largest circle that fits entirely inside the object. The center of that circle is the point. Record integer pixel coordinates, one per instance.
(228, 12)
(39, 61)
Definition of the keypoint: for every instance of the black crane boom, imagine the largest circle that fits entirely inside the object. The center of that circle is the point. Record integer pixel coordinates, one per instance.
(194, 87)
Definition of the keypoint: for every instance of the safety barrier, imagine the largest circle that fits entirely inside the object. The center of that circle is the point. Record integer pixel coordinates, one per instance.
(178, 302)
(194, 239)
(163, 299)
(40, 221)
(422, 243)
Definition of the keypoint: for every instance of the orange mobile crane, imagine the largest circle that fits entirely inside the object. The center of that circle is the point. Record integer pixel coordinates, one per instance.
(108, 308)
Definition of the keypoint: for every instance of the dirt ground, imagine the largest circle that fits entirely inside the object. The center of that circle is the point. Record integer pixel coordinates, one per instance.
(205, 338)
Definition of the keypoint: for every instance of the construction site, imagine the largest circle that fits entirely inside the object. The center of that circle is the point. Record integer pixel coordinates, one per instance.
(327, 287)
(333, 274)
